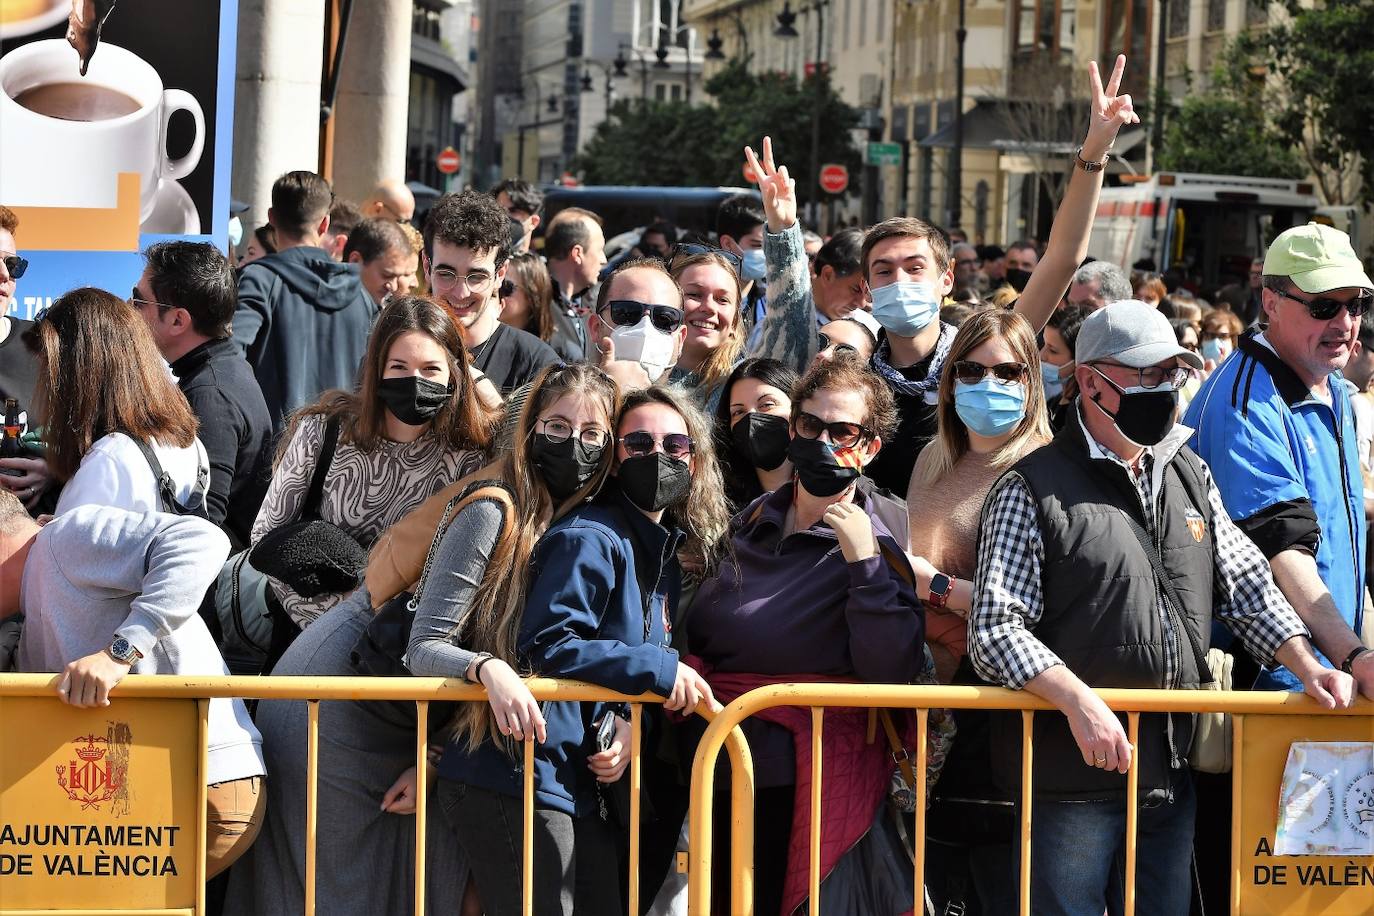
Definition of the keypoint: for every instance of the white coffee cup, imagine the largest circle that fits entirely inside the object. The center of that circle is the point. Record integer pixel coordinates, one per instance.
(52, 162)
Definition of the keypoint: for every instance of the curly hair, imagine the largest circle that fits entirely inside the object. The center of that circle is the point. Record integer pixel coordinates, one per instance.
(469, 220)
(846, 372)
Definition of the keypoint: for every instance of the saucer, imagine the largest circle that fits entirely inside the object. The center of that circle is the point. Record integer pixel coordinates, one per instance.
(174, 213)
(56, 12)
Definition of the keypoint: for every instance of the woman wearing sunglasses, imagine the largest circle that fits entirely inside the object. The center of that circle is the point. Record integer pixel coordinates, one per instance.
(991, 412)
(599, 609)
(817, 589)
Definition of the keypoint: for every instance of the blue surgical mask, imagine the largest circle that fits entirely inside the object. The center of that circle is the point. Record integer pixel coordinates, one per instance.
(1054, 383)
(990, 408)
(905, 308)
(235, 232)
(753, 266)
(1211, 349)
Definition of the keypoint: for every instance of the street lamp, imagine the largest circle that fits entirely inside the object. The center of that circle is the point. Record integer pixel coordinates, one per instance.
(621, 63)
(608, 71)
(714, 45)
(787, 29)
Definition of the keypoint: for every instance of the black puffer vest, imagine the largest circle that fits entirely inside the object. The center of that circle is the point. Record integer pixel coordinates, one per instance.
(1101, 608)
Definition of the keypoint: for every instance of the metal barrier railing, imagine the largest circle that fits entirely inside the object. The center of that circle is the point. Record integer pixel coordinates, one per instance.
(818, 697)
(423, 692)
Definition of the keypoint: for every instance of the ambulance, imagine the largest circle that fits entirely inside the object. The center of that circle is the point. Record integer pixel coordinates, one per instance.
(1206, 227)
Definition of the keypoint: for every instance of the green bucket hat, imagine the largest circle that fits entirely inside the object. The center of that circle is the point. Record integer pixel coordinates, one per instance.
(1316, 258)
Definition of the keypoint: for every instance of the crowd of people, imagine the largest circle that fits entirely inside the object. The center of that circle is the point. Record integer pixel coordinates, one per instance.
(710, 464)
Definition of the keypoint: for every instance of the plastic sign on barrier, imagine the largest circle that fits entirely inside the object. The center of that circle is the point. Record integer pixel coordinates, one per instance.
(1271, 883)
(98, 805)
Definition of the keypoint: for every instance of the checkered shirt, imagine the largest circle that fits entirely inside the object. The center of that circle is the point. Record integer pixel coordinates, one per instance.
(1008, 595)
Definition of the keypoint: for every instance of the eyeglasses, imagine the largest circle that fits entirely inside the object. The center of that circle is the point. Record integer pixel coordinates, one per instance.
(1324, 308)
(844, 435)
(641, 442)
(557, 429)
(15, 265)
(627, 313)
(1152, 376)
(971, 373)
(824, 342)
(479, 281)
(138, 301)
(687, 249)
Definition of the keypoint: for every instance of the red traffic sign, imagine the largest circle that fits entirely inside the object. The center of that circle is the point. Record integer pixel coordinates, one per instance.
(834, 178)
(448, 160)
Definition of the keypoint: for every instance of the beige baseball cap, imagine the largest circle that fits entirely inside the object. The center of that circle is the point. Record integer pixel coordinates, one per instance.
(1317, 258)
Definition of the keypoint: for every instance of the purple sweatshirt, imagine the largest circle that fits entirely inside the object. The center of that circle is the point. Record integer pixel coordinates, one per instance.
(793, 605)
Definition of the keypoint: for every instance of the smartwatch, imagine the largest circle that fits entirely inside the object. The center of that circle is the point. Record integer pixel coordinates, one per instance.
(121, 650)
(940, 587)
(1355, 653)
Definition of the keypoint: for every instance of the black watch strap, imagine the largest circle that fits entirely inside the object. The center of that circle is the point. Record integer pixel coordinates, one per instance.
(1355, 653)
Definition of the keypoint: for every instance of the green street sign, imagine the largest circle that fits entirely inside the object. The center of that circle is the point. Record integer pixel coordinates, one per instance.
(884, 154)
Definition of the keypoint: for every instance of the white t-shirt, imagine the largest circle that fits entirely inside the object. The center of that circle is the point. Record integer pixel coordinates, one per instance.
(115, 473)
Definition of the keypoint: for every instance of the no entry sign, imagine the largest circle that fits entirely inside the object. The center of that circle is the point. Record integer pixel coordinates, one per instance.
(834, 178)
(448, 160)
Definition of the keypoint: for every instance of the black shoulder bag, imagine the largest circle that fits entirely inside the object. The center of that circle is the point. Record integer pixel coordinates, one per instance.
(167, 488)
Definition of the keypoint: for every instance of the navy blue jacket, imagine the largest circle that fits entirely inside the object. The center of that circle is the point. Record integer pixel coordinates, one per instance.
(302, 322)
(586, 619)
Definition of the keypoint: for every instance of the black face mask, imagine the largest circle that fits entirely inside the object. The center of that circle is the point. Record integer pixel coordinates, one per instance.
(762, 438)
(654, 481)
(1144, 417)
(565, 466)
(1018, 278)
(413, 400)
(818, 470)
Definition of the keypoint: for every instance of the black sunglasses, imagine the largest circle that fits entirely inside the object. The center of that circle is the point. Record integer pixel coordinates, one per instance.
(845, 435)
(823, 343)
(687, 249)
(641, 442)
(1324, 308)
(971, 373)
(627, 313)
(15, 265)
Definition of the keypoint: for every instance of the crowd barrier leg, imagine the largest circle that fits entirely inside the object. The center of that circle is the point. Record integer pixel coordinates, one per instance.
(527, 837)
(421, 787)
(202, 798)
(817, 722)
(1237, 801)
(1132, 809)
(1027, 732)
(918, 830)
(312, 799)
(636, 785)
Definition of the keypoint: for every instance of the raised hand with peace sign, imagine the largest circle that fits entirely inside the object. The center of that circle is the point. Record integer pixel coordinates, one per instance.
(1110, 112)
(778, 189)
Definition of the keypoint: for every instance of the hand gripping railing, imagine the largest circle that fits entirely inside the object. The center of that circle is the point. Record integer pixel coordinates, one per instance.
(818, 697)
(423, 691)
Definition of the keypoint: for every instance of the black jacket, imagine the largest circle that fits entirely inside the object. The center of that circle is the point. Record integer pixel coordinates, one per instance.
(235, 429)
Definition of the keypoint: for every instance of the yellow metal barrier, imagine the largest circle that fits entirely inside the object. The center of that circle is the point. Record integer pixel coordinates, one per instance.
(818, 697)
(422, 691)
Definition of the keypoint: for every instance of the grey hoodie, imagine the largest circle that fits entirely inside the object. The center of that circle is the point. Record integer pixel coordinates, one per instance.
(96, 572)
(302, 322)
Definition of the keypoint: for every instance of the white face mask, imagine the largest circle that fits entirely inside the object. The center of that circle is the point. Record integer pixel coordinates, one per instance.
(644, 344)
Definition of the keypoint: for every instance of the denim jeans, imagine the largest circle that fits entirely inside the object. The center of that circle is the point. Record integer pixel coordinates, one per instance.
(1078, 851)
(575, 859)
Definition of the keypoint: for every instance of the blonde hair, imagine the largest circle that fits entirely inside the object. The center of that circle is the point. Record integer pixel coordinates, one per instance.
(1003, 297)
(705, 513)
(492, 624)
(951, 442)
(716, 368)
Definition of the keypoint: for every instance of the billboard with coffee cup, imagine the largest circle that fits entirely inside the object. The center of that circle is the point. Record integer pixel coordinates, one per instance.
(98, 166)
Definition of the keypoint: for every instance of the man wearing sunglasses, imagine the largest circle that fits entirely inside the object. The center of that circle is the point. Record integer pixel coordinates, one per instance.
(1104, 558)
(1276, 424)
(25, 477)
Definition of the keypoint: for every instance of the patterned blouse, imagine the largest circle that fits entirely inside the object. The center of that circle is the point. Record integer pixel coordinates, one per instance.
(365, 492)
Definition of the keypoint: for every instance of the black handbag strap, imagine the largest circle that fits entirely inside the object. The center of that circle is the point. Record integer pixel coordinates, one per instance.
(310, 509)
(166, 486)
(1170, 595)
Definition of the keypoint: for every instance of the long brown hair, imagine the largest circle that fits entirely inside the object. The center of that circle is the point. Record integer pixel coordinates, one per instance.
(951, 442)
(492, 624)
(527, 272)
(463, 423)
(705, 513)
(99, 372)
(717, 367)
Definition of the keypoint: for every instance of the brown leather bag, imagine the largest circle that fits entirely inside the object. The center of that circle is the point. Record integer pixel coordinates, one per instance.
(398, 557)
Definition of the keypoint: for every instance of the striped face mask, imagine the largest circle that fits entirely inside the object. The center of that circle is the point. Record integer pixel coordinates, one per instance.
(823, 470)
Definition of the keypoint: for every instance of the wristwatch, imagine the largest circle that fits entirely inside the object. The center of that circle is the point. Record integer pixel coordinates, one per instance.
(121, 650)
(1085, 165)
(1355, 653)
(940, 587)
